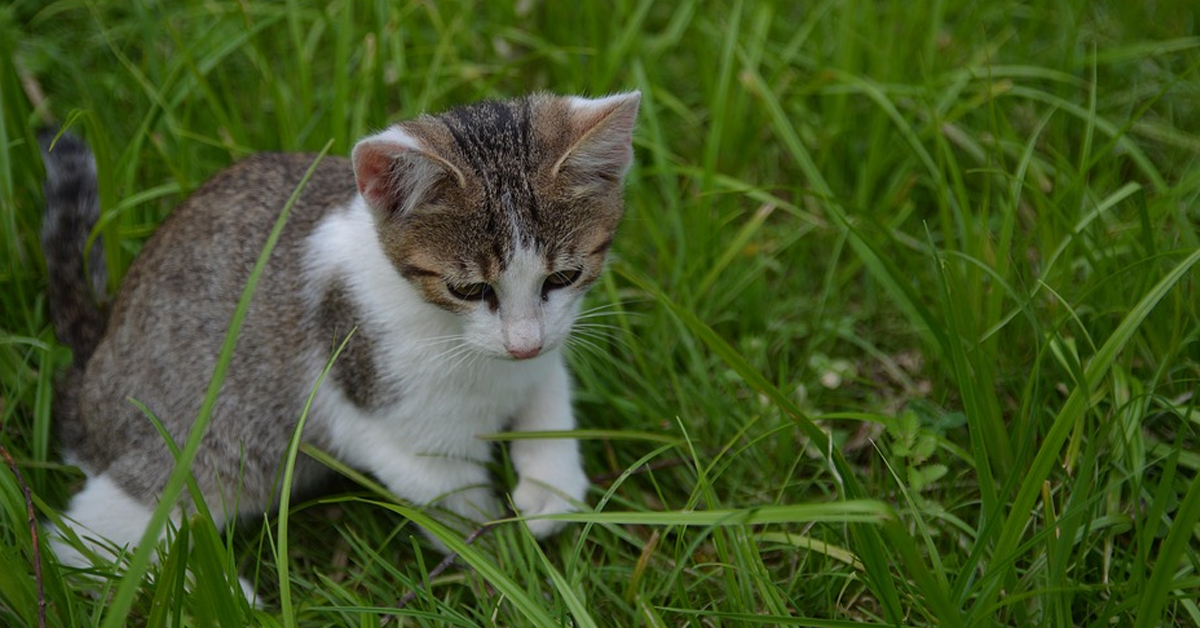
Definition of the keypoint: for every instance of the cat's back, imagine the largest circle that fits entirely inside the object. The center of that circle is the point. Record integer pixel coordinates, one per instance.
(195, 266)
(185, 284)
(207, 242)
(255, 190)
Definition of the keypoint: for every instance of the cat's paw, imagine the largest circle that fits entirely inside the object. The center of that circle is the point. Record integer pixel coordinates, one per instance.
(538, 497)
(463, 512)
(473, 505)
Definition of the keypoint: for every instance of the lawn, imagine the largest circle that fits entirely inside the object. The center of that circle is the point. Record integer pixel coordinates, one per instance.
(902, 326)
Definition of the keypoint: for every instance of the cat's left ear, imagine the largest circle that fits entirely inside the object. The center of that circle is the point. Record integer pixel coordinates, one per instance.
(602, 136)
(395, 171)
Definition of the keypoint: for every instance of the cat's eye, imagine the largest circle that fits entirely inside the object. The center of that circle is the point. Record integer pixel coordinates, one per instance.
(560, 279)
(470, 291)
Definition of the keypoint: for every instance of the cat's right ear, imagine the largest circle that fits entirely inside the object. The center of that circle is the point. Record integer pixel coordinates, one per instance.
(395, 171)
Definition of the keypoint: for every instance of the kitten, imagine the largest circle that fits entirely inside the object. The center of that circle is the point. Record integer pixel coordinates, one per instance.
(456, 247)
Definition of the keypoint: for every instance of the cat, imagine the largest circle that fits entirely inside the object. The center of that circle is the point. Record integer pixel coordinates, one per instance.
(456, 247)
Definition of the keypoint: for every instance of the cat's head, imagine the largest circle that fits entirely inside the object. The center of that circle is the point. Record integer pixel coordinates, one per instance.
(503, 212)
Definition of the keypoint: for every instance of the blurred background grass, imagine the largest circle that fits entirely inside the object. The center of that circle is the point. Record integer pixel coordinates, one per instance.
(935, 254)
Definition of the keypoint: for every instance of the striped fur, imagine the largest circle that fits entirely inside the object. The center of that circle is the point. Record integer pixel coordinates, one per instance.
(77, 275)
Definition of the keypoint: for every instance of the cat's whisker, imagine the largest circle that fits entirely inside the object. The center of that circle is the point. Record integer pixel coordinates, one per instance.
(614, 328)
(591, 341)
(437, 340)
(623, 303)
(605, 307)
(447, 355)
(588, 346)
(601, 335)
(600, 344)
(599, 329)
(469, 356)
(454, 357)
(450, 357)
(602, 332)
(605, 312)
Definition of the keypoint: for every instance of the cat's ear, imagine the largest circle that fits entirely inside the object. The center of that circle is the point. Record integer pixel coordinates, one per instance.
(395, 171)
(601, 136)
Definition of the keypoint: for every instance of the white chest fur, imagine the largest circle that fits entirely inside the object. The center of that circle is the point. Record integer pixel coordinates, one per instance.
(447, 393)
(423, 443)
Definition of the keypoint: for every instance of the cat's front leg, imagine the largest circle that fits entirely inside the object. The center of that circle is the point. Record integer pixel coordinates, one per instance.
(550, 471)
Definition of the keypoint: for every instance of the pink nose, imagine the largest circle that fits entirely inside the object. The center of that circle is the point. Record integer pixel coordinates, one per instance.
(525, 354)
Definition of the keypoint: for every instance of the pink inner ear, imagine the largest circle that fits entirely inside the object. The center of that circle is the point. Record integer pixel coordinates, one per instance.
(393, 170)
(372, 167)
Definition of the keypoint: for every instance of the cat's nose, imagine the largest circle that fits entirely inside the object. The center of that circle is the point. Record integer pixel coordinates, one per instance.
(524, 353)
(523, 337)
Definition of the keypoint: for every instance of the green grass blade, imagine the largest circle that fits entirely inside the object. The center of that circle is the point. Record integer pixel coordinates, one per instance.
(859, 511)
(575, 604)
(285, 492)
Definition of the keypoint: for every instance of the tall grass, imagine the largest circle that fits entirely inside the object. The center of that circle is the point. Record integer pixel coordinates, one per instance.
(902, 326)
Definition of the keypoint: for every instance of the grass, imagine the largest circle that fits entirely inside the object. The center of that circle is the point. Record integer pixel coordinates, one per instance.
(903, 325)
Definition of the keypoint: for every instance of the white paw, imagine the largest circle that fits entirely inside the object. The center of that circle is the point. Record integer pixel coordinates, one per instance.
(463, 512)
(476, 504)
(536, 497)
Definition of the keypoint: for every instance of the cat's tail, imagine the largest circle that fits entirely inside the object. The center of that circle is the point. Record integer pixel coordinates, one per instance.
(77, 272)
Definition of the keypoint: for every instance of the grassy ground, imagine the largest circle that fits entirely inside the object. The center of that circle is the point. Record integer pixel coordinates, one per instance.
(903, 317)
